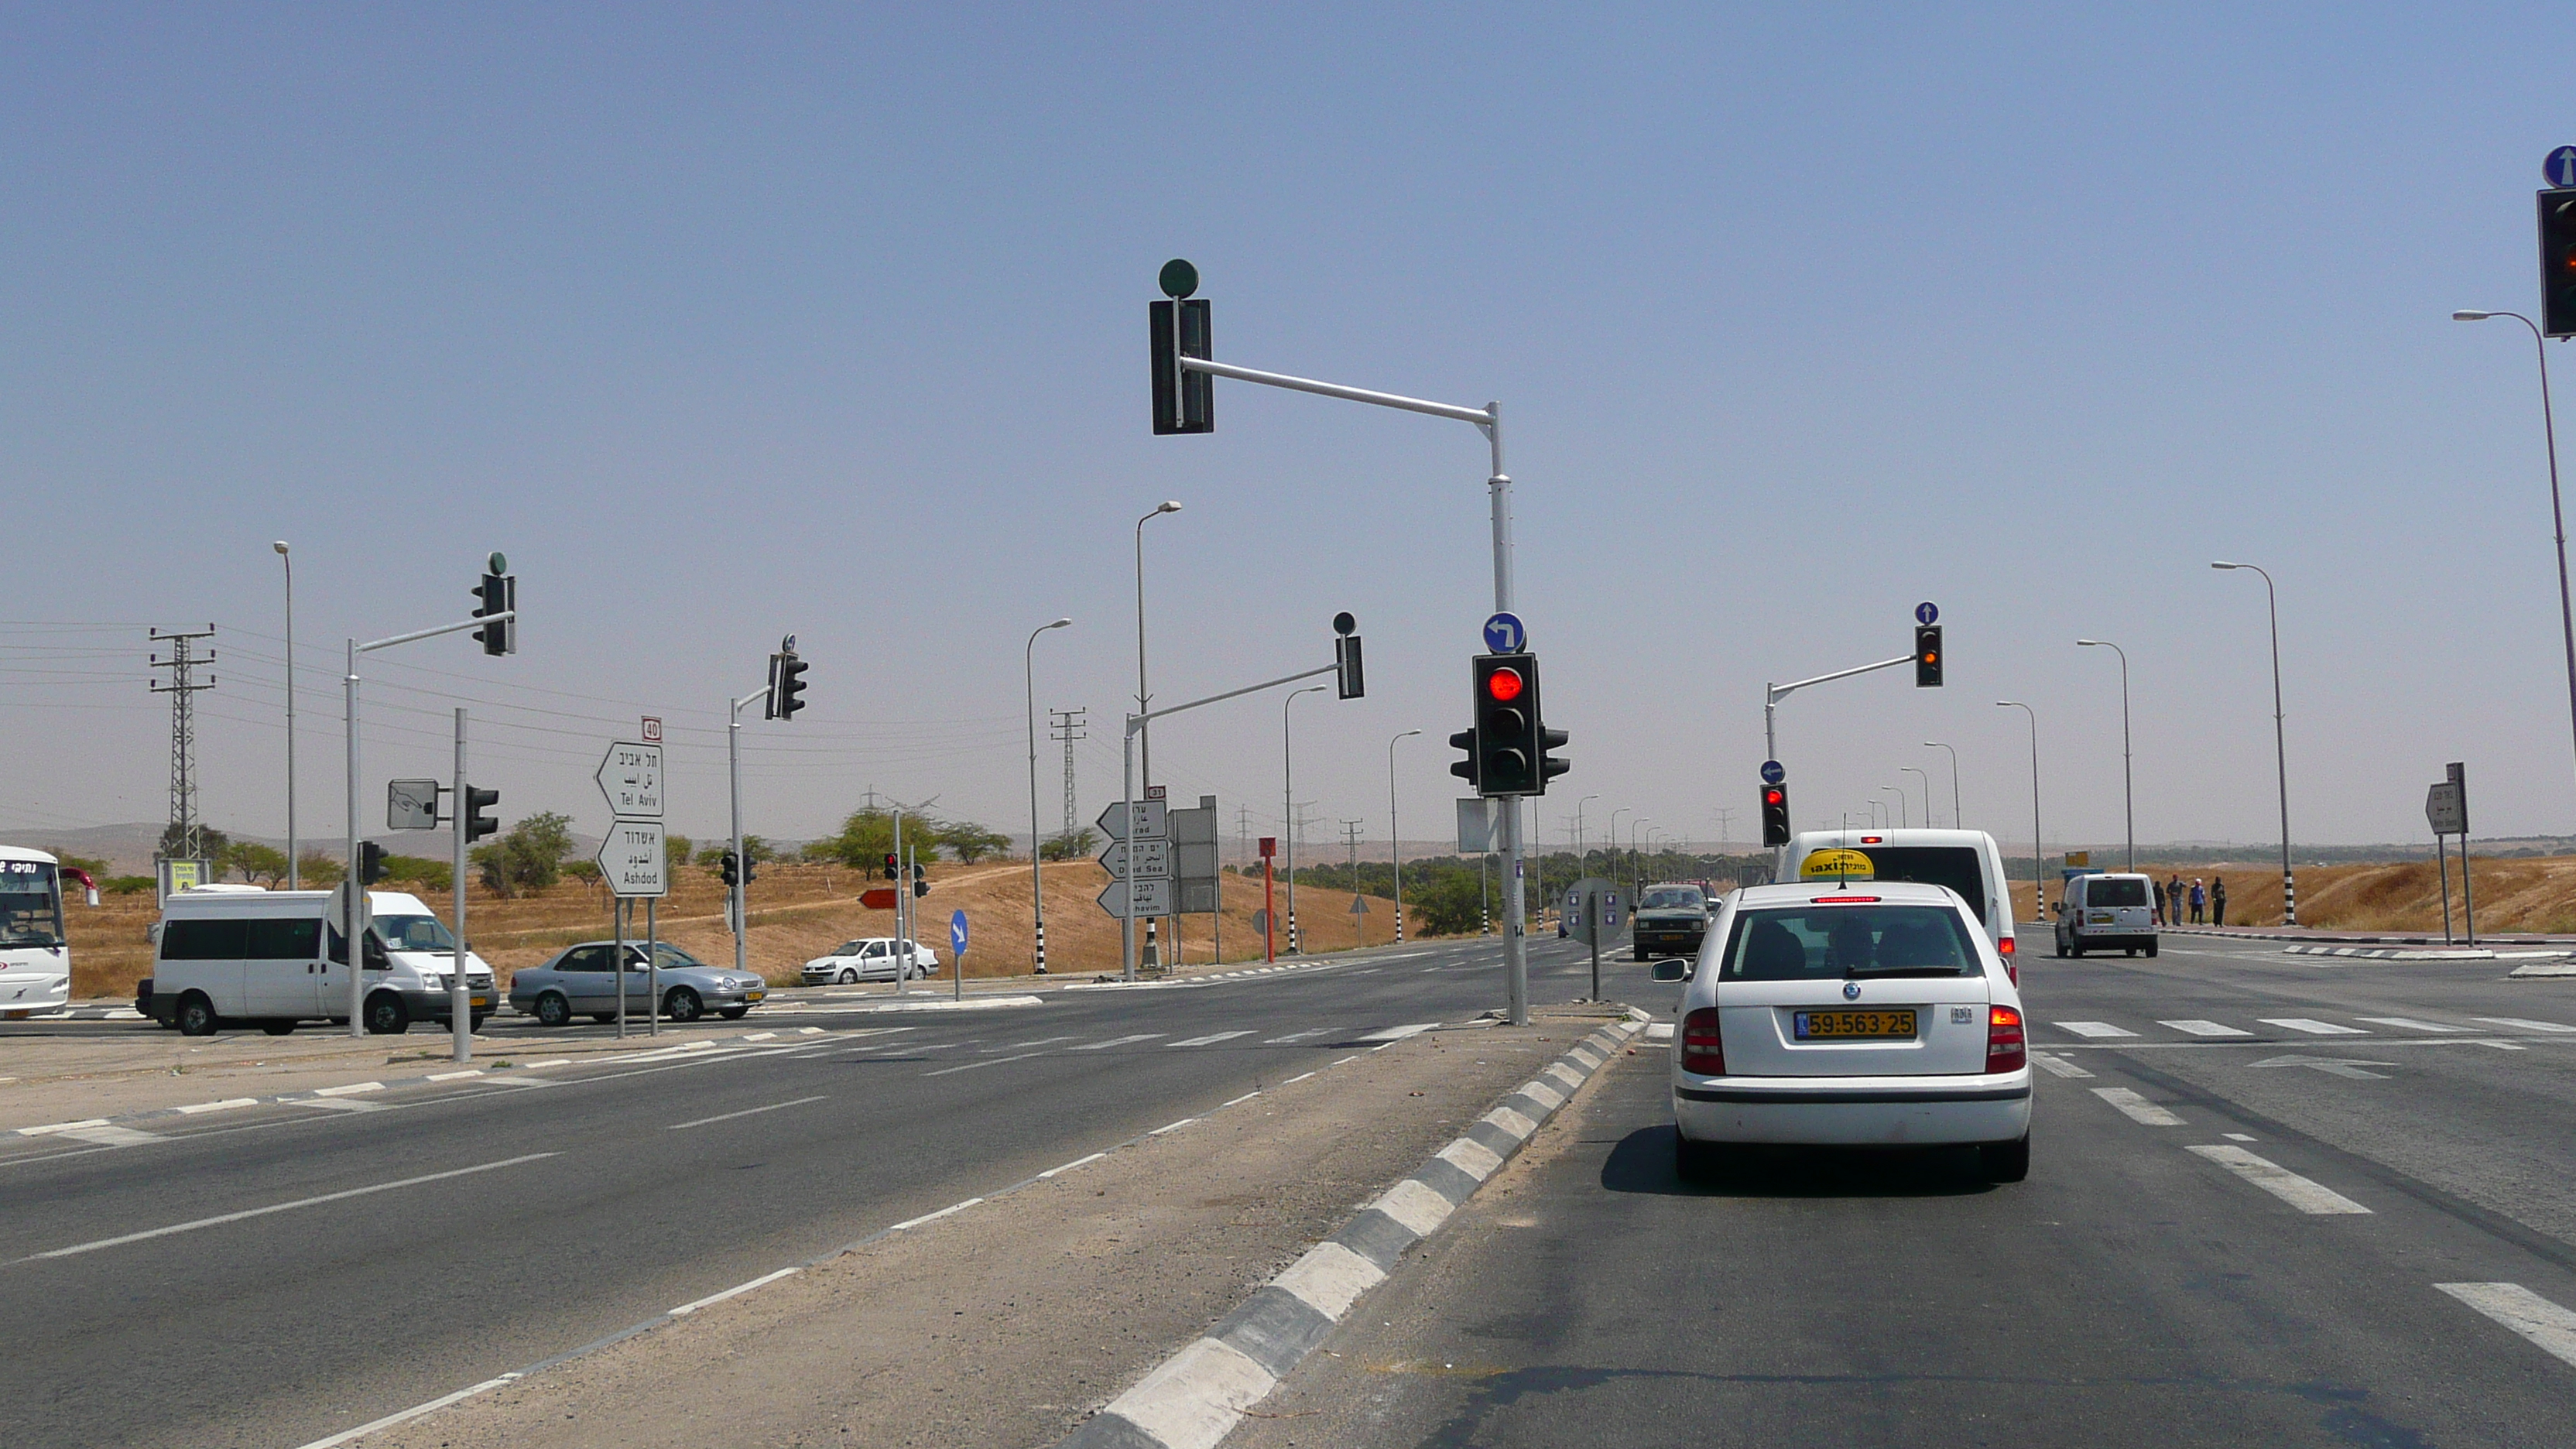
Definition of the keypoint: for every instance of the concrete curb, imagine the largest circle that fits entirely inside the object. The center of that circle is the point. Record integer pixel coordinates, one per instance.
(1193, 1399)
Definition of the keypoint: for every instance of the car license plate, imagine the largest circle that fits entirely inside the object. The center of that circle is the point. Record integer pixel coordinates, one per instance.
(755, 997)
(481, 1001)
(1854, 1025)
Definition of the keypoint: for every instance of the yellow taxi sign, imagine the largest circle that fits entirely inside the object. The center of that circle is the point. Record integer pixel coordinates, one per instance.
(1836, 864)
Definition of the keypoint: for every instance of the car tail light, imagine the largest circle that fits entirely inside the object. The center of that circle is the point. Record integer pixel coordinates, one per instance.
(1703, 1051)
(1841, 900)
(1873, 840)
(2005, 1049)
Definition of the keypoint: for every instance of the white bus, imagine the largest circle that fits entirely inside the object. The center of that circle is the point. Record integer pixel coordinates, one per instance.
(35, 963)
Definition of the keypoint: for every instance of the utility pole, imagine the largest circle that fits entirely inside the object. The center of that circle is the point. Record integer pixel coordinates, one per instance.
(1066, 727)
(1351, 838)
(183, 840)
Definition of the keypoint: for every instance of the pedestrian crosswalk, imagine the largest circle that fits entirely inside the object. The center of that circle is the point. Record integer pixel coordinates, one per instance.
(2292, 1028)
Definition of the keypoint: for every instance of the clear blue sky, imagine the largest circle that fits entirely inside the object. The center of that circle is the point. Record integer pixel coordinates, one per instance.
(730, 321)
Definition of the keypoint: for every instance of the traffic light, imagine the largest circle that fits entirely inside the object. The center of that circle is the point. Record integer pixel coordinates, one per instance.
(920, 885)
(893, 867)
(1775, 814)
(1466, 769)
(1927, 656)
(371, 862)
(1549, 766)
(750, 868)
(498, 593)
(1346, 658)
(786, 683)
(1184, 402)
(478, 823)
(2558, 262)
(1507, 728)
(729, 869)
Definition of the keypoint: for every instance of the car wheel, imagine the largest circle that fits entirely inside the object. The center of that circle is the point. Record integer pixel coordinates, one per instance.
(849, 976)
(734, 1013)
(554, 1009)
(682, 1004)
(386, 1014)
(474, 1020)
(277, 1028)
(2005, 1161)
(1695, 1161)
(2130, 951)
(197, 1016)
(2151, 948)
(603, 1017)
(2075, 951)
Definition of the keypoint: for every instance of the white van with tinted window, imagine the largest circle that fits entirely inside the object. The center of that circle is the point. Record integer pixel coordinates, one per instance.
(1967, 861)
(237, 957)
(2106, 912)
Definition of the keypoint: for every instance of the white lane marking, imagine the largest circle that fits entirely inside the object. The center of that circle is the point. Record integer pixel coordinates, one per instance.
(1211, 1039)
(986, 1062)
(336, 1104)
(2550, 1327)
(2138, 1108)
(1077, 1162)
(2279, 1181)
(2091, 1028)
(2312, 1027)
(2524, 1023)
(452, 1076)
(818, 1031)
(753, 1036)
(745, 1112)
(416, 1411)
(548, 1062)
(1399, 1033)
(53, 1127)
(1292, 1081)
(348, 1089)
(302, 1202)
(2411, 1024)
(2237, 1136)
(1246, 1097)
(685, 1309)
(226, 1105)
(1294, 1036)
(1355, 1056)
(1171, 1127)
(2204, 1028)
(2058, 1066)
(954, 1207)
(1041, 1041)
(111, 1136)
(1115, 1041)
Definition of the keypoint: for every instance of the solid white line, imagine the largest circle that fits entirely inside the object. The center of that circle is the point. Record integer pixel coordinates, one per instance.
(955, 1207)
(737, 1290)
(2536, 1318)
(2091, 1028)
(405, 1416)
(2279, 1181)
(1292, 1081)
(1355, 1056)
(1077, 1162)
(2312, 1027)
(52, 1127)
(1171, 1127)
(2526, 1025)
(2057, 1065)
(226, 1105)
(2204, 1028)
(1246, 1097)
(746, 1112)
(2138, 1108)
(2410, 1023)
(302, 1202)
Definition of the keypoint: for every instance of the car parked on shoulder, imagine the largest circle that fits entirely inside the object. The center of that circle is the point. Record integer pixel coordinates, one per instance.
(576, 981)
(871, 959)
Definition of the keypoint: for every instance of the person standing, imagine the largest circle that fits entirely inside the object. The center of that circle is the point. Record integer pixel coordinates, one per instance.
(2160, 902)
(2218, 900)
(2199, 899)
(2173, 900)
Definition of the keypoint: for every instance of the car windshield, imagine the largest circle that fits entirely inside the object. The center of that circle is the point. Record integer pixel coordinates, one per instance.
(414, 933)
(31, 911)
(2116, 893)
(673, 958)
(847, 948)
(1671, 900)
(1807, 942)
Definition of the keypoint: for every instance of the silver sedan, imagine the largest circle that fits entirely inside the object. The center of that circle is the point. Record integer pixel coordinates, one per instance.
(575, 981)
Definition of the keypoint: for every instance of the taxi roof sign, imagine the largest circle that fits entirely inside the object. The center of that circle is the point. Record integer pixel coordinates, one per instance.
(1837, 864)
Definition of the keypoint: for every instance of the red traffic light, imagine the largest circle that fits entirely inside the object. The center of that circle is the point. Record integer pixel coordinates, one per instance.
(1504, 684)
(1774, 795)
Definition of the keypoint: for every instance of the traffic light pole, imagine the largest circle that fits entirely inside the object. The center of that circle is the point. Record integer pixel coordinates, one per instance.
(739, 897)
(1772, 694)
(460, 996)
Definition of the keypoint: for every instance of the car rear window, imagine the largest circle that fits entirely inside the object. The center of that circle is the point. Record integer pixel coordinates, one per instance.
(1802, 943)
(1956, 866)
(2116, 893)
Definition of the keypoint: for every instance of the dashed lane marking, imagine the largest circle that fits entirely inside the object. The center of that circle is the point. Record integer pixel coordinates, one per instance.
(1211, 1039)
(1115, 1041)
(2312, 1027)
(745, 1112)
(986, 1062)
(2092, 1028)
(2204, 1028)
(2299, 1192)
(2057, 1065)
(2411, 1024)
(302, 1202)
(2524, 1024)
(2545, 1324)
(2137, 1108)
(1394, 1034)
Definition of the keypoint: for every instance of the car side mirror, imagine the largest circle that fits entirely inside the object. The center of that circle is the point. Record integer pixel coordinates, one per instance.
(1673, 970)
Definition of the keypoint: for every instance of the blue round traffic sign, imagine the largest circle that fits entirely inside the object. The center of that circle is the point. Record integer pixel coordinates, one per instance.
(1925, 612)
(957, 933)
(1772, 774)
(1504, 634)
(2560, 168)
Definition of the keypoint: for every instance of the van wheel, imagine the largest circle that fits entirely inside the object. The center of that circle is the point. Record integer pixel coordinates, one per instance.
(277, 1028)
(554, 1009)
(2005, 1161)
(849, 976)
(1695, 1161)
(2075, 951)
(683, 1004)
(2130, 951)
(386, 1015)
(2151, 948)
(197, 1016)
(2060, 943)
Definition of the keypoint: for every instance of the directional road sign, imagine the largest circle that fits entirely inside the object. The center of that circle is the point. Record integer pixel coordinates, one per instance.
(1359, 905)
(1504, 634)
(1772, 774)
(957, 933)
(411, 805)
(1151, 822)
(631, 777)
(1926, 613)
(2446, 809)
(2560, 168)
(881, 899)
(631, 860)
(1151, 859)
(1153, 898)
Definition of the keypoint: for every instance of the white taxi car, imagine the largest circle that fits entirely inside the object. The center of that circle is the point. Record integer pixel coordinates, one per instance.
(1849, 1012)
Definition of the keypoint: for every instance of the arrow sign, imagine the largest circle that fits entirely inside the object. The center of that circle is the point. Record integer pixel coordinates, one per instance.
(1504, 634)
(1152, 859)
(411, 805)
(631, 859)
(2331, 1066)
(1151, 823)
(630, 775)
(1153, 898)
(1926, 613)
(880, 899)
(957, 933)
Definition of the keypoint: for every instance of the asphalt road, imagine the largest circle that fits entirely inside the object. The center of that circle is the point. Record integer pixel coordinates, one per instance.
(470, 1228)
(2413, 1122)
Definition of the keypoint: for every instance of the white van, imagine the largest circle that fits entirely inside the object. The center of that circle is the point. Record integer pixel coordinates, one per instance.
(242, 956)
(2106, 911)
(1967, 861)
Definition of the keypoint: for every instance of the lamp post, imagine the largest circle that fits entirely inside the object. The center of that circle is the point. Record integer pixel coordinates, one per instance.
(2128, 789)
(1288, 799)
(2038, 886)
(294, 872)
(1904, 816)
(1037, 892)
(1581, 857)
(1636, 861)
(1144, 736)
(2280, 747)
(1394, 839)
(1957, 820)
(1927, 790)
(1612, 849)
(2557, 515)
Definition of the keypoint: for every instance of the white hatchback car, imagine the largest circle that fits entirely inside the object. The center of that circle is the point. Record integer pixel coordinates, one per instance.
(870, 960)
(1863, 1014)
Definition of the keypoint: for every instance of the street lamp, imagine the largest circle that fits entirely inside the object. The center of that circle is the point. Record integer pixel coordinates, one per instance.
(1904, 818)
(1957, 820)
(1581, 858)
(1145, 732)
(1037, 892)
(294, 876)
(2280, 748)
(1288, 793)
(2557, 516)
(2128, 791)
(1394, 840)
(2038, 886)
(1612, 849)
(1927, 790)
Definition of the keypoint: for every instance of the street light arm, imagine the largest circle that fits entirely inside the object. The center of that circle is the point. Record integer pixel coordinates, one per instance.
(1482, 417)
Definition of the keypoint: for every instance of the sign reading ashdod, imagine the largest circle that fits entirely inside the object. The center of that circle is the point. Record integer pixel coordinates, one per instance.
(1836, 864)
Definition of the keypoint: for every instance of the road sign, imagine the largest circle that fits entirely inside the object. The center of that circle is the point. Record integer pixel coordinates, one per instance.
(1359, 905)
(1504, 634)
(1475, 826)
(631, 860)
(651, 731)
(1261, 923)
(1583, 900)
(1269, 846)
(1151, 859)
(340, 904)
(630, 775)
(1926, 613)
(1772, 774)
(2446, 809)
(957, 932)
(1153, 898)
(880, 899)
(411, 805)
(1151, 823)
(2560, 168)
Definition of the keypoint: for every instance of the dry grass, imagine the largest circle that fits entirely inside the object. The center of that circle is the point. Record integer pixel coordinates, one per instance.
(2517, 894)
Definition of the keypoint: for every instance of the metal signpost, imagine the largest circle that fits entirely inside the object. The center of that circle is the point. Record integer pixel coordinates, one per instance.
(2446, 809)
(1592, 912)
(1269, 943)
(957, 948)
(635, 862)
